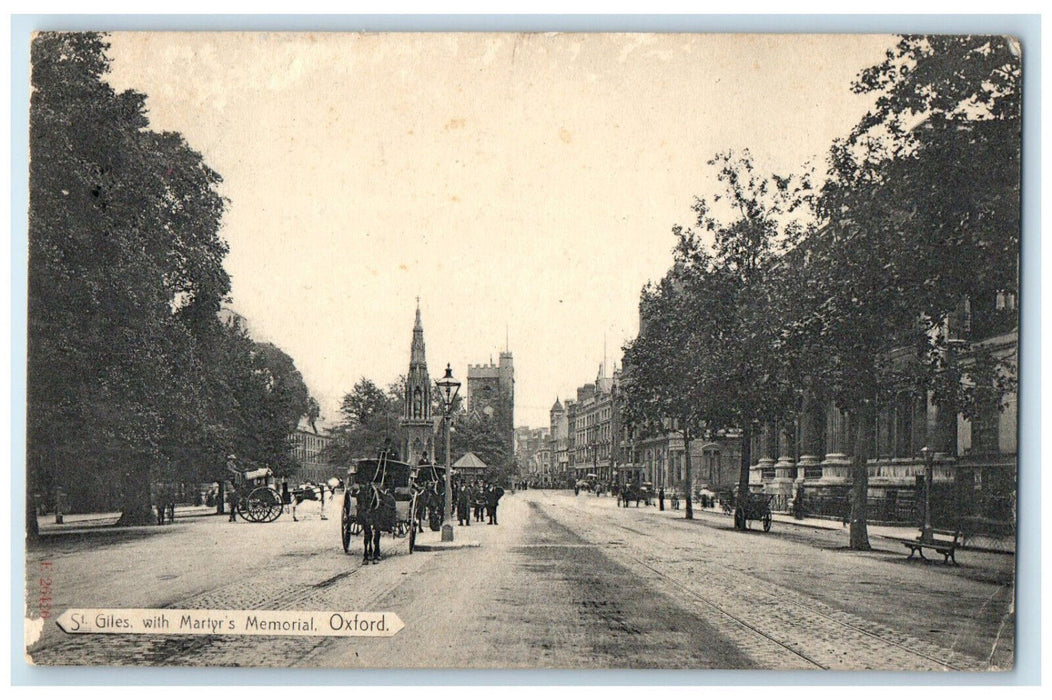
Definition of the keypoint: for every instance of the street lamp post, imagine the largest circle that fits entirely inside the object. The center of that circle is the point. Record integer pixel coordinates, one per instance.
(929, 458)
(448, 388)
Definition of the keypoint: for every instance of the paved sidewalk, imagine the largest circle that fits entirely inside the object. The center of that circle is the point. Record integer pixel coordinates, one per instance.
(893, 532)
(428, 541)
(76, 523)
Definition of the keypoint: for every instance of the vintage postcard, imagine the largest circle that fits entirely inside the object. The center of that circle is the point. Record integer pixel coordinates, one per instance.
(522, 350)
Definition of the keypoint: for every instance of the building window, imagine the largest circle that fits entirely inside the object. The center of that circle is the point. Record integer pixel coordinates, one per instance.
(904, 424)
(985, 432)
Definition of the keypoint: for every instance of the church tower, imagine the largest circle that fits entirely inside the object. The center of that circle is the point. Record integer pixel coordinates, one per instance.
(418, 427)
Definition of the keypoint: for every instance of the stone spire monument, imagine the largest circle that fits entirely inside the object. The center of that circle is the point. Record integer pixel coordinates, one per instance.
(418, 426)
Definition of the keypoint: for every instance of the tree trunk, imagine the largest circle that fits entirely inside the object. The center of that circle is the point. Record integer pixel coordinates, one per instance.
(860, 421)
(746, 462)
(221, 497)
(135, 498)
(689, 515)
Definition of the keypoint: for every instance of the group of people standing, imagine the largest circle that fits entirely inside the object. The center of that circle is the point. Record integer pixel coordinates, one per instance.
(474, 498)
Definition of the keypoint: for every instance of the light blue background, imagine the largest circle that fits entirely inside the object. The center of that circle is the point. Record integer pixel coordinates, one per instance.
(1028, 641)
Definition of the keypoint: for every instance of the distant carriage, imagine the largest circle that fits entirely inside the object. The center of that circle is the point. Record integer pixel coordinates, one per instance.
(262, 503)
(381, 496)
(755, 506)
(632, 492)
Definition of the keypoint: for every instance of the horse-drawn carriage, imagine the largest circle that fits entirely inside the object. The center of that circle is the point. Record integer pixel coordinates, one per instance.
(262, 503)
(381, 496)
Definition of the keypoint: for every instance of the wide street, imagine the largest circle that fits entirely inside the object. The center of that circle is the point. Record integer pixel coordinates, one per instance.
(562, 582)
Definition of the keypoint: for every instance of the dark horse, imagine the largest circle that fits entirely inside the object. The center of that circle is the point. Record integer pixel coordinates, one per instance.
(433, 500)
(376, 514)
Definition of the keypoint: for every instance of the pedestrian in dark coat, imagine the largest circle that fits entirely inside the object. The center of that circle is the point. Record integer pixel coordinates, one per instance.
(159, 502)
(464, 499)
(479, 502)
(493, 495)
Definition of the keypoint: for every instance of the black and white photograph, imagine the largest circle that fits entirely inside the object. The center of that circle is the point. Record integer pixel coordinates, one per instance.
(523, 350)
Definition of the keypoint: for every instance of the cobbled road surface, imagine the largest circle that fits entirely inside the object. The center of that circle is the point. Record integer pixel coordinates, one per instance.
(562, 582)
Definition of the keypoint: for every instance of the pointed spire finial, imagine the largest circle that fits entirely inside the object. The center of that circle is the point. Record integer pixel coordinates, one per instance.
(416, 353)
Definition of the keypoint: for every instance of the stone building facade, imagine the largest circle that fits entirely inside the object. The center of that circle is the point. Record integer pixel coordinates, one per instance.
(558, 443)
(593, 421)
(533, 454)
(973, 460)
(307, 447)
(661, 460)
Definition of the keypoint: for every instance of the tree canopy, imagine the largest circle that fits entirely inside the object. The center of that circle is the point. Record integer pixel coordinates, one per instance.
(131, 375)
(919, 219)
(708, 354)
(369, 416)
(784, 292)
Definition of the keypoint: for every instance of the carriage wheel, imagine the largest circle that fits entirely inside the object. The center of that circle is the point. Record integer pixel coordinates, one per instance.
(277, 506)
(244, 511)
(767, 522)
(345, 523)
(739, 518)
(246, 508)
(401, 528)
(264, 505)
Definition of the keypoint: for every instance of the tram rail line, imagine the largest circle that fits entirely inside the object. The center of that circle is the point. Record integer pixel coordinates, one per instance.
(726, 613)
(909, 649)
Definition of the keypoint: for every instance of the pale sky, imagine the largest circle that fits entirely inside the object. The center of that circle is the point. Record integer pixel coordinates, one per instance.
(519, 183)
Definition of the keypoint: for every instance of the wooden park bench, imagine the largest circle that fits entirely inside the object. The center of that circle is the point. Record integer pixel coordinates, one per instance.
(945, 542)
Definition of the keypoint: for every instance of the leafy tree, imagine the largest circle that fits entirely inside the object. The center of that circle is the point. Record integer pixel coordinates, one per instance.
(930, 180)
(282, 401)
(131, 376)
(124, 254)
(748, 224)
(369, 417)
(666, 369)
(485, 436)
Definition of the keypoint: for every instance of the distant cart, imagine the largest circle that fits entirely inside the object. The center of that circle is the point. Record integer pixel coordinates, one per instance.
(756, 506)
